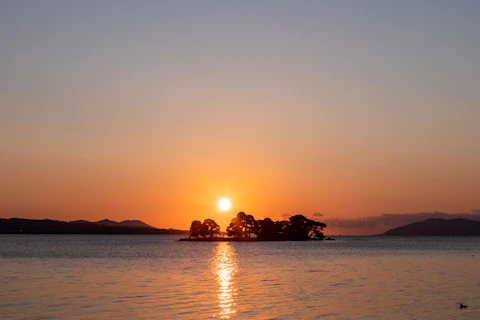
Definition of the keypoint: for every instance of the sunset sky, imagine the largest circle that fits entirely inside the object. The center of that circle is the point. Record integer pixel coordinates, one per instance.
(154, 110)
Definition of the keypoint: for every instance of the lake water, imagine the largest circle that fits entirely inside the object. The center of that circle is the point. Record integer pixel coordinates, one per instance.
(158, 277)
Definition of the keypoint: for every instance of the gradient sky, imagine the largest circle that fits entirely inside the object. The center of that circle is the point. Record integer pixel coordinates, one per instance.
(154, 110)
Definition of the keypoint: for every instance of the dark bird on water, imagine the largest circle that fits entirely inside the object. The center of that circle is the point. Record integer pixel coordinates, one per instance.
(463, 306)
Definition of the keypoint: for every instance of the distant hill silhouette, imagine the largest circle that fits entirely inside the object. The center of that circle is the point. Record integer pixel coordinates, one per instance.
(438, 227)
(125, 223)
(46, 226)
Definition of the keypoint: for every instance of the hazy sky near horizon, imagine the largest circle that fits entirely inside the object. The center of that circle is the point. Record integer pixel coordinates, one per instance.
(153, 110)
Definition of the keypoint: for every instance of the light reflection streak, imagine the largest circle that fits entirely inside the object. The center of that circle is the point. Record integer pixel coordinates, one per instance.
(224, 266)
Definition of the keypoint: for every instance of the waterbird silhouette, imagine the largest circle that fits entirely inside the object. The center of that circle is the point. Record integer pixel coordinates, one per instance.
(463, 306)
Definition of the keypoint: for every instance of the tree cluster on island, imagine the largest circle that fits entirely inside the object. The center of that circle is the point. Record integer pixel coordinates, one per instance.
(207, 228)
(245, 227)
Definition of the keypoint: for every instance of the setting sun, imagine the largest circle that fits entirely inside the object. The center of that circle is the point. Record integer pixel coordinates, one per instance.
(224, 204)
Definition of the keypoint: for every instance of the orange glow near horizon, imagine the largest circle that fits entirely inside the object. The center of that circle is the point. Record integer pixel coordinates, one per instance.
(171, 114)
(68, 189)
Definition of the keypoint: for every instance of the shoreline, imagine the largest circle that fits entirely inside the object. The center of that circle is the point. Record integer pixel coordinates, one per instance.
(222, 239)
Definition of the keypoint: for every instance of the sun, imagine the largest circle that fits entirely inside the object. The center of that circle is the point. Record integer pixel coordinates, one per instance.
(224, 204)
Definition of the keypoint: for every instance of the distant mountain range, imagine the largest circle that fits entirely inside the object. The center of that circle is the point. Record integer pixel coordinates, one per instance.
(124, 223)
(438, 227)
(46, 226)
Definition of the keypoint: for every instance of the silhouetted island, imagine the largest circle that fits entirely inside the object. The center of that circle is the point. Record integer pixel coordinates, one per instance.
(244, 227)
(438, 227)
(46, 226)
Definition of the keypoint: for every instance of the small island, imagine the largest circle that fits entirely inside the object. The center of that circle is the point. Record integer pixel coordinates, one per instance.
(244, 227)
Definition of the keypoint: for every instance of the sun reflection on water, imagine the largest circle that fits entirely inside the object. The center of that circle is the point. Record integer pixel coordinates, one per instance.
(224, 266)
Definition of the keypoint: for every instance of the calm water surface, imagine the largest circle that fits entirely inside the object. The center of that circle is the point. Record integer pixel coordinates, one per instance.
(158, 277)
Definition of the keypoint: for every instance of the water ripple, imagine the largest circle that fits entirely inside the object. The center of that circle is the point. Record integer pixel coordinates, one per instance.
(91, 277)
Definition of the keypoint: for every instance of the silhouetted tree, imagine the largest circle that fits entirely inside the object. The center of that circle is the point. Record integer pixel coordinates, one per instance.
(266, 229)
(281, 229)
(242, 217)
(209, 227)
(235, 228)
(243, 225)
(318, 234)
(251, 226)
(195, 229)
(301, 228)
(317, 230)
